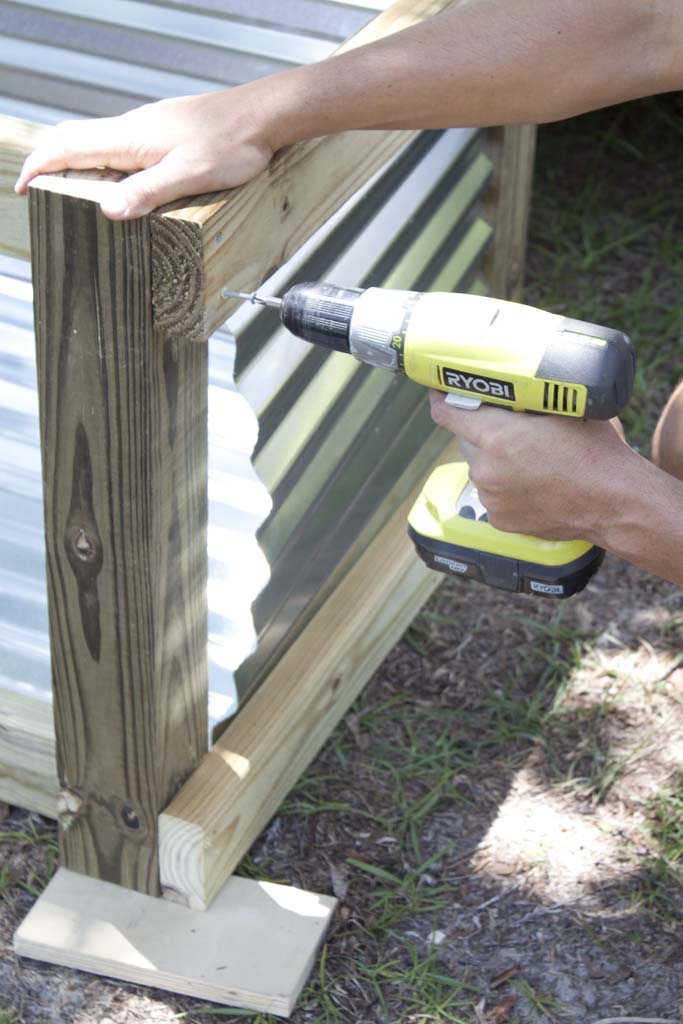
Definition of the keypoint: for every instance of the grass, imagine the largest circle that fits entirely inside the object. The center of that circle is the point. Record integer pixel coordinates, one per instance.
(546, 1006)
(609, 252)
(658, 886)
(667, 822)
(39, 849)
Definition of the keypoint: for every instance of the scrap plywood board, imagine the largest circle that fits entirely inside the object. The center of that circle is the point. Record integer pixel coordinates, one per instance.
(253, 949)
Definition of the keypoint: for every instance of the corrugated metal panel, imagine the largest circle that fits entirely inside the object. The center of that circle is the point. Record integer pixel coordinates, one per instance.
(333, 436)
(24, 647)
(238, 503)
(75, 58)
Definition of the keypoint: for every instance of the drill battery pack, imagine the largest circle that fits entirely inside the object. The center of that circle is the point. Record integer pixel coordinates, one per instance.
(450, 529)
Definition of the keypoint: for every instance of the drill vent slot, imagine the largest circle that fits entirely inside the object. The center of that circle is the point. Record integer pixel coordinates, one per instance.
(560, 398)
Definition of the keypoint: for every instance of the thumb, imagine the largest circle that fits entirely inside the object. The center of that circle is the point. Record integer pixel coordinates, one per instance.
(145, 191)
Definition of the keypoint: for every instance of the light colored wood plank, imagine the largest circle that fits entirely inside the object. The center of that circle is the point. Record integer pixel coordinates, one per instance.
(254, 948)
(17, 140)
(28, 768)
(239, 785)
(245, 235)
(124, 449)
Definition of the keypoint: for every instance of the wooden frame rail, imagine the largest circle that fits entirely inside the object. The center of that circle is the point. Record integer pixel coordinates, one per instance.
(17, 140)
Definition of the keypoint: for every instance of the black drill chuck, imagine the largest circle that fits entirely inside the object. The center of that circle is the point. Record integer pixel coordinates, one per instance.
(320, 313)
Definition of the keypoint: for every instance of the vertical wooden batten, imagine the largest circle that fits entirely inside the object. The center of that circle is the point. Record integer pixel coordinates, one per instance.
(512, 150)
(123, 421)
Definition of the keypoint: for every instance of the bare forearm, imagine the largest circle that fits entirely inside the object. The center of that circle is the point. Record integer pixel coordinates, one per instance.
(486, 62)
(480, 62)
(643, 523)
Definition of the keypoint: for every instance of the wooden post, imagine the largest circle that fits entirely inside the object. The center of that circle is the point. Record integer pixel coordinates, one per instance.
(512, 150)
(123, 420)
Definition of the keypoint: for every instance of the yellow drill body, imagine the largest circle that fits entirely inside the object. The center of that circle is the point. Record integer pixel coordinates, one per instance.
(478, 349)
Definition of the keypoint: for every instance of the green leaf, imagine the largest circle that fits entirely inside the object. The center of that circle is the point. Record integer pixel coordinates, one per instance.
(373, 869)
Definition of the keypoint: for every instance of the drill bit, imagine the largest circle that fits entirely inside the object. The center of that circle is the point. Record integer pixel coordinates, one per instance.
(263, 300)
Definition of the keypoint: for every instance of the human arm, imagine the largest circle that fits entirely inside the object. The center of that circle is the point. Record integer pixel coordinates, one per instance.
(562, 479)
(480, 62)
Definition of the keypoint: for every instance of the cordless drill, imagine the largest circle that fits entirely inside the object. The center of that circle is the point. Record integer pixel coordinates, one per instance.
(478, 349)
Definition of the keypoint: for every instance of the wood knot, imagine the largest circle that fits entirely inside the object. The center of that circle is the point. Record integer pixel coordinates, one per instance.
(70, 807)
(82, 540)
(129, 820)
(129, 817)
(85, 548)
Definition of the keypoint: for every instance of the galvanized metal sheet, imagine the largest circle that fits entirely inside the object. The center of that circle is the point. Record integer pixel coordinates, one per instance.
(162, 21)
(238, 503)
(322, 18)
(121, 44)
(74, 58)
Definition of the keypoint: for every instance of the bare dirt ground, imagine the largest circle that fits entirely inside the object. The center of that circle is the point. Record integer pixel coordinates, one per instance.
(501, 814)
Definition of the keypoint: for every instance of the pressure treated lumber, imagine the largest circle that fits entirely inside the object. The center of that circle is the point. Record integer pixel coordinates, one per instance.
(241, 236)
(28, 769)
(241, 782)
(245, 234)
(17, 139)
(254, 948)
(512, 150)
(123, 416)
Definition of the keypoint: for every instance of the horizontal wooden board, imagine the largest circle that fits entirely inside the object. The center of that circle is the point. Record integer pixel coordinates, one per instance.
(17, 139)
(28, 767)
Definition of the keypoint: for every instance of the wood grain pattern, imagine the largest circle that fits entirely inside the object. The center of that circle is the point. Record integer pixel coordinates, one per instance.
(240, 783)
(28, 767)
(123, 412)
(246, 233)
(241, 236)
(177, 279)
(17, 139)
(508, 203)
(254, 948)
